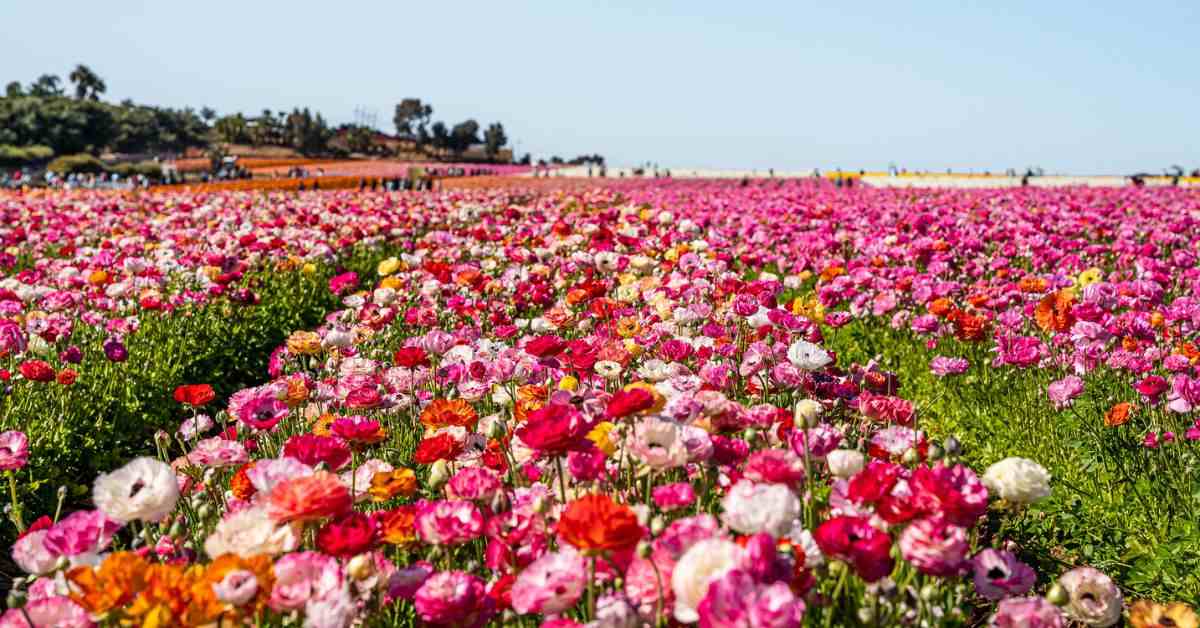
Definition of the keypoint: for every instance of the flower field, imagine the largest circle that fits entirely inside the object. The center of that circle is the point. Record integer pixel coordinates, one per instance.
(615, 403)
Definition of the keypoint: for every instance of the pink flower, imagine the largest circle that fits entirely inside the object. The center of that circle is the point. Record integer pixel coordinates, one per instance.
(775, 466)
(551, 585)
(935, 547)
(57, 611)
(999, 574)
(301, 576)
(474, 483)
(736, 600)
(819, 441)
(1026, 612)
(81, 532)
(1062, 392)
(669, 497)
(218, 452)
(943, 366)
(261, 410)
(454, 598)
(14, 450)
(448, 522)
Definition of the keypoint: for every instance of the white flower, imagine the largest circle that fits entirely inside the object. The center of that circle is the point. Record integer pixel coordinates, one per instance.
(704, 562)
(1018, 480)
(237, 587)
(844, 463)
(340, 338)
(251, 532)
(807, 356)
(654, 370)
(804, 545)
(751, 508)
(266, 473)
(31, 555)
(145, 489)
(1094, 599)
(607, 369)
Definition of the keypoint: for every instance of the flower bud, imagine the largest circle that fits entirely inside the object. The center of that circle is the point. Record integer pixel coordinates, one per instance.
(439, 473)
(936, 452)
(361, 567)
(911, 457)
(953, 447)
(808, 413)
(643, 550)
(1057, 595)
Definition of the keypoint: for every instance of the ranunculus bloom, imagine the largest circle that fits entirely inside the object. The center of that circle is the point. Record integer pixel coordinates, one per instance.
(195, 395)
(263, 411)
(751, 508)
(449, 522)
(855, 541)
(347, 536)
(144, 489)
(411, 357)
(1063, 392)
(1094, 600)
(36, 371)
(14, 450)
(1026, 612)
(1018, 480)
(669, 497)
(312, 450)
(626, 402)
(551, 585)
(597, 523)
(454, 598)
(999, 574)
(704, 562)
(935, 546)
(555, 429)
(449, 412)
(309, 497)
(737, 600)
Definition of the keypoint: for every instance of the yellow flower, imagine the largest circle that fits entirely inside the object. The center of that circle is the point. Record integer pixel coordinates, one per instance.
(390, 282)
(309, 268)
(1088, 277)
(1147, 614)
(388, 484)
(633, 347)
(568, 382)
(599, 436)
(304, 343)
(98, 277)
(388, 266)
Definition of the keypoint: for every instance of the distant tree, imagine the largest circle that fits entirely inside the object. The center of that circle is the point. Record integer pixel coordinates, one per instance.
(232, 129)
(440, 135)
(410, 116)
(46, 85)
(526, 160)
(67, 126)
(308, 133)
(14, 90)
(463, 135)
(358, 138)
(494, 139)
(208, 114)
(88, 85)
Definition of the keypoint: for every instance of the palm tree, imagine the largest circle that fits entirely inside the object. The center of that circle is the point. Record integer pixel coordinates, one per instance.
(87, 83)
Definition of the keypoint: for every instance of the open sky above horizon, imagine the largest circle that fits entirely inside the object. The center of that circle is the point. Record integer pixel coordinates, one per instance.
(1087, 88)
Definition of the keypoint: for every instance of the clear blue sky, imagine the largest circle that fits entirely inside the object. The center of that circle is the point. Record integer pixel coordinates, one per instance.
(1084, 87)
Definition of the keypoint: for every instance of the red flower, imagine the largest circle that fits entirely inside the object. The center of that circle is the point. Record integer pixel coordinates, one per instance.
(440, 447)
(312, 449)
(853, 540)
(195, 395)
(555, 429)
(66, 377)
(37, 371)
(597, 523)
(955, 493)
(545, 346)
(874, 482)
(626, 402)
(410, 357)
(347, 536)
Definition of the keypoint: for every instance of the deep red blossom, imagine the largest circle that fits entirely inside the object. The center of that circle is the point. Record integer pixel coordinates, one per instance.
(195, 395)
(854, 540)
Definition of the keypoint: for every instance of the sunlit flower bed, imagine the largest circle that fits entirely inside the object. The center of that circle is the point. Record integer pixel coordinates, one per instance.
(620, 406)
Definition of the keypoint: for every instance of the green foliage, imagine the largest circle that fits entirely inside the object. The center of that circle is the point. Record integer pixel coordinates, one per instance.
(23, 155)
(65, 125)
(112, 411)
(494, 139)
(81, 163)
(1131, 512)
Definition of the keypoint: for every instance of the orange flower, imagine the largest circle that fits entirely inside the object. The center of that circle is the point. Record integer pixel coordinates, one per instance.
(206, 607)
(1053, 312)
(1031, 283)
(240, 484)
(1147, 614)
(1189, 351)
(628, 327)
(388, 484)
(831, 272)
(308, 498)
(297, 391)
(595, 523)
(530, 397)
(112, 585)
(449, 412)
(940, 307)
(1118, 414)
(969, 327)
(166, 596)
(398, 526)
(323, 426)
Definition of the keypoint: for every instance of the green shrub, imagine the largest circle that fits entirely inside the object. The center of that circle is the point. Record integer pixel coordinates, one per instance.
(150, 169)
(23, 155)
(81, 163)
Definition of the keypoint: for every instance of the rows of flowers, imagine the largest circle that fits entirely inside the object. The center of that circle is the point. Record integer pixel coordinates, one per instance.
(619, 407)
